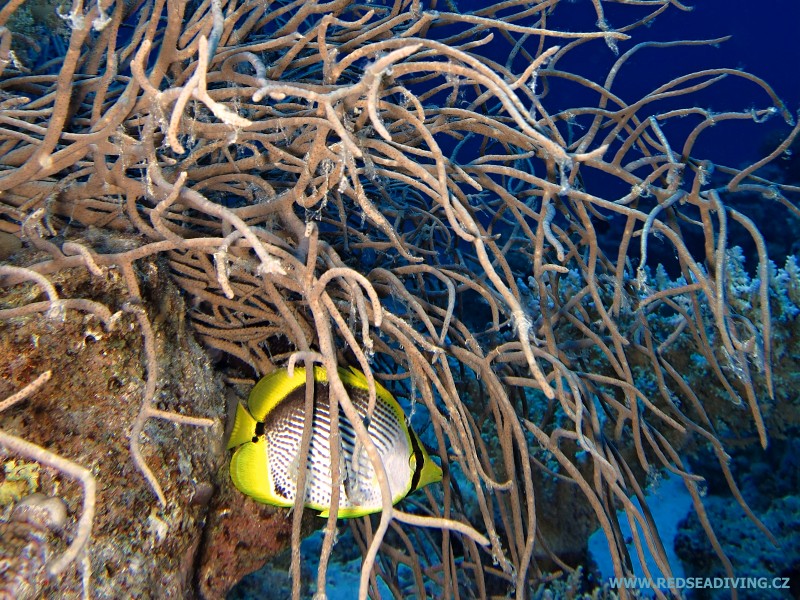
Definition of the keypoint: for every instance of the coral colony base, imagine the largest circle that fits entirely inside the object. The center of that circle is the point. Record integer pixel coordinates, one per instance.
(539, 266)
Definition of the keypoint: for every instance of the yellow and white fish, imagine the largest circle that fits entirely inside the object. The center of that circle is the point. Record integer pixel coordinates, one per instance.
(268, 432)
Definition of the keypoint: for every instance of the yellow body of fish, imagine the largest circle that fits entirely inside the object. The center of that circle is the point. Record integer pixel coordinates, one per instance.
(267, 436)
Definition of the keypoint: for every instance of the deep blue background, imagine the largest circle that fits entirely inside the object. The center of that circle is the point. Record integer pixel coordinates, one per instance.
(765, 42)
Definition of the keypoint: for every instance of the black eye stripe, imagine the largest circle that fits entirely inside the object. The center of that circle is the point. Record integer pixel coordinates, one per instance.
(417, 452)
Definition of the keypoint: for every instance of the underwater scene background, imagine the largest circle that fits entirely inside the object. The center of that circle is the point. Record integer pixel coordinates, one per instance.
(563, 234)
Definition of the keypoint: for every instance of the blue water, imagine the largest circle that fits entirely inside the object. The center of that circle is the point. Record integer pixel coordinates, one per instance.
(669, 502)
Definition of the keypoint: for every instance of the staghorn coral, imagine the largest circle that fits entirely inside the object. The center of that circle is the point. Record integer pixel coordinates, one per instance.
(345, 182)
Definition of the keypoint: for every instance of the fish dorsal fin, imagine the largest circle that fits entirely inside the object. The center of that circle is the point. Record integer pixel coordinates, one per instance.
(351, 372)
(356, 379)
(273, 388)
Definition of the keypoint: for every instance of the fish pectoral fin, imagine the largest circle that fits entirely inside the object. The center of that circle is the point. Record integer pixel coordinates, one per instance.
(293, 471)
(350, 491)
(354, 490)
(344, 472)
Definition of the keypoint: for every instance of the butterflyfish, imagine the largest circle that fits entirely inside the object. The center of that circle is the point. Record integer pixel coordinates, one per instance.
(267, 436)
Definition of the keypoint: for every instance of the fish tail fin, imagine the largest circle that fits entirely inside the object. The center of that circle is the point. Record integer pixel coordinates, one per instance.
(244, 428)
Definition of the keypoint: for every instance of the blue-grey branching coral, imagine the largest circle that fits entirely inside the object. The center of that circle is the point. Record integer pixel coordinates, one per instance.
(435, 197)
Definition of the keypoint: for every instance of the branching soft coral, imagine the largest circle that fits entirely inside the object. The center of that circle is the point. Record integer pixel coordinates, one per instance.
(369, 184)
